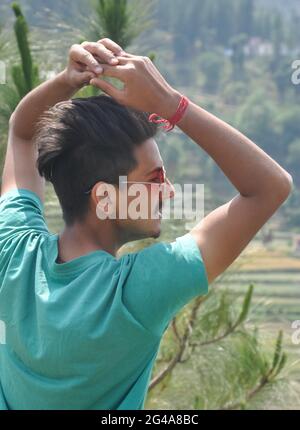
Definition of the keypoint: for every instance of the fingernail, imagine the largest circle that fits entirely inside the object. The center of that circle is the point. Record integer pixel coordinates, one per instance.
(113, 61)
(98, 69)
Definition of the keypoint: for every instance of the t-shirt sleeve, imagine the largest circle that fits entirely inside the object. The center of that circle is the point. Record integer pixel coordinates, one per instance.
(21, 211)
(162, 279)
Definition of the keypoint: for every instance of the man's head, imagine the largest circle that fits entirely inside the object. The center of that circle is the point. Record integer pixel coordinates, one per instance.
(89, 141)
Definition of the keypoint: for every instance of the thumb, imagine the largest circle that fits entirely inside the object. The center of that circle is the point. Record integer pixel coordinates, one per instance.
(106, 87)
(86, 77)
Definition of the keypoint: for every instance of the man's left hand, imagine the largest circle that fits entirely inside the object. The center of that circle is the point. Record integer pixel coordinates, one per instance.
(84, 61)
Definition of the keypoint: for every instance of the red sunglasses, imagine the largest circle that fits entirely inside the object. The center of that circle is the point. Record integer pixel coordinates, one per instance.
(162, 178)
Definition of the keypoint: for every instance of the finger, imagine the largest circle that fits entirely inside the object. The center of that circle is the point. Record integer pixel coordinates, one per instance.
(118, 71)
(127, 58)
(81, 55)
(112, 46)
(107, 88)
(126, 54)
(86, 77)
(99, 50)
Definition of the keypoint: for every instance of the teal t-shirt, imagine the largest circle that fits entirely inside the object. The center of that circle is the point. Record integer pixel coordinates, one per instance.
(83, 334)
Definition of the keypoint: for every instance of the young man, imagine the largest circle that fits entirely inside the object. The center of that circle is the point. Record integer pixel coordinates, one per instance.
(82, 327)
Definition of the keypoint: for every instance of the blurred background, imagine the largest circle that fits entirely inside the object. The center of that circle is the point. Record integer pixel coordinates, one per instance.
(237, 348)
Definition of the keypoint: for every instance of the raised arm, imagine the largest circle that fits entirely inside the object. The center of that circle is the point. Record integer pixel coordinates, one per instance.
(263, 187)
(262, 184)
(20, 162)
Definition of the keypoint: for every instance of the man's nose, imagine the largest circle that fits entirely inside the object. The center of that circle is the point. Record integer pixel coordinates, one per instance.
(168, 190)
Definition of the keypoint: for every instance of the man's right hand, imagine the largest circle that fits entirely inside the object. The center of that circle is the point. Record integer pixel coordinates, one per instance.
(145, 89)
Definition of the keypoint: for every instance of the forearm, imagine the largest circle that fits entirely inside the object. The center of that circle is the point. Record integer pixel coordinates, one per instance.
(30, 108)
(247, 166)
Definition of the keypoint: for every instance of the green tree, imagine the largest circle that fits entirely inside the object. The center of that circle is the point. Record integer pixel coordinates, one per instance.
(245, 17)
(25, 75)
(257, 119)
(282, 77)
(262, 23)
(120, 20)
(288, 119)
(237, 44)
(22, 77)
(212, 335)
(224, 21)
(1, 38)
(293, 160)
(277, 38)
(212, 64)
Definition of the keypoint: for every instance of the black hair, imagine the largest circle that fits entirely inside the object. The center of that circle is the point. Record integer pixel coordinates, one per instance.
(85, 140)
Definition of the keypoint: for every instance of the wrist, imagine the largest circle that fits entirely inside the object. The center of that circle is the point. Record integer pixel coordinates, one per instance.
(64, 79)
(169, 105)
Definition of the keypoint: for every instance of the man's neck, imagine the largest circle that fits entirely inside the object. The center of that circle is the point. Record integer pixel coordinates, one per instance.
(77, 240)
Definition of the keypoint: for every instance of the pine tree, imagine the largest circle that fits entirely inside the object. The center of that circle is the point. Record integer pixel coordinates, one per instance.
(22, 77)
(245, 17)
(120, 20)
(25, 75)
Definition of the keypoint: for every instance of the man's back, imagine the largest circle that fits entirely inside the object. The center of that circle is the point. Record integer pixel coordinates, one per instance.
(83, 334)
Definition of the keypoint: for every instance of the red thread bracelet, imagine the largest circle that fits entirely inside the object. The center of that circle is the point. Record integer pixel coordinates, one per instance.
(170, 124)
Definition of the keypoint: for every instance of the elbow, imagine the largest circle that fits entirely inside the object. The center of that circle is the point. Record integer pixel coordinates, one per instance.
(284, 187)
(291, 183)
(271, 198)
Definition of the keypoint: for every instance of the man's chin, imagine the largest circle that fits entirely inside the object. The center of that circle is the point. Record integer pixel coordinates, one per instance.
(156, 230)
(153, 232)
(156, 234)
(146, 232)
